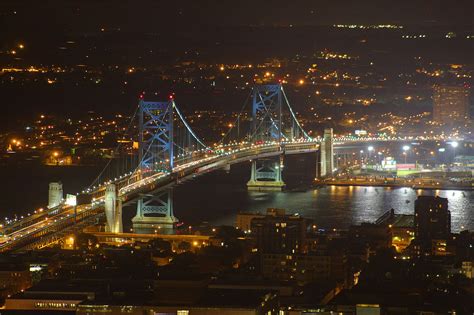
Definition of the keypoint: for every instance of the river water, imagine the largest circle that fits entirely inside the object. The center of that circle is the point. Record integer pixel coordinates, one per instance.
(219, 196)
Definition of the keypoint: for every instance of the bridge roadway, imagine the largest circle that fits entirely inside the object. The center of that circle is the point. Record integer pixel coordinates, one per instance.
(44, 227)
(48, 226)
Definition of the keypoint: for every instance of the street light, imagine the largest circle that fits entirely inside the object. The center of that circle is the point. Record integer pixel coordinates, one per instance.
(370, 149)
(454, 144)
(405, 150)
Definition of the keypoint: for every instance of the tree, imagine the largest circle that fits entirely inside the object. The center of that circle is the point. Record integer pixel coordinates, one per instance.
(86, 241)
(161, 245)
(184, 246)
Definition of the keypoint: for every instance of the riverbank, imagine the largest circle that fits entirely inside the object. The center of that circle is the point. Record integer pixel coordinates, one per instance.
(416, 186)
(219, 196)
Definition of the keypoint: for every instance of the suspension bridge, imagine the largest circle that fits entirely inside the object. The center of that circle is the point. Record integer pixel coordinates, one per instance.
(169, 153)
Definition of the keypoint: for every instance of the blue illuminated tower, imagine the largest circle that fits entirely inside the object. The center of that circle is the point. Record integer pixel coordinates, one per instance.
(266, 127)
(156, 155)
(156, 136)
(267, 113)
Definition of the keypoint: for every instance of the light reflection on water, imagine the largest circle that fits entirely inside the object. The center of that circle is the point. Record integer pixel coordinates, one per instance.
(217, 197)
(339, 206)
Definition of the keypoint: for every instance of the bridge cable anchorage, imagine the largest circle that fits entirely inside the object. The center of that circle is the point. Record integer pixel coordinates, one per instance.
(294, 116)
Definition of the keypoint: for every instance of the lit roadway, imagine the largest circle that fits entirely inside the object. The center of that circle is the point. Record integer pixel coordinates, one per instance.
(45, 227)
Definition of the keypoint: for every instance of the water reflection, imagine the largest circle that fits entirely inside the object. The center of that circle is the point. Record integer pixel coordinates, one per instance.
(338, 207)
(217, 197)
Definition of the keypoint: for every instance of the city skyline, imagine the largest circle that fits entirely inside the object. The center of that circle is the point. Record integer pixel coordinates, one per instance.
(212, 158)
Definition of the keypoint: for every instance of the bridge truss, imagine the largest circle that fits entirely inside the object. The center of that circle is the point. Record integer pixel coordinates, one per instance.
(160, 149)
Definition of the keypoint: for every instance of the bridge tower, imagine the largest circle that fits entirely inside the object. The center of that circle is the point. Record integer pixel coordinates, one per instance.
(266, 127)
(113, 210)
(55, 195)
(156, 155)
(326, 153)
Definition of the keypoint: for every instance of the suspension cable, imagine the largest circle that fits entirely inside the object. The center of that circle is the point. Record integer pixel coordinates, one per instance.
(188, 127)
(97, 179)
(237, 119)
(293, 114)
(267, 113)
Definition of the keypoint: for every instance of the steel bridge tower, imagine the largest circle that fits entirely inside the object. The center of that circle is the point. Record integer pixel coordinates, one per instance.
(156, 155)
(267, 126)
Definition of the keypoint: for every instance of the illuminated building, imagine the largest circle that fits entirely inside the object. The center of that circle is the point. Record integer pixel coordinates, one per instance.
(282, 244)
(432, 218)
(244, 220)
(432, 223)
(13, 278)
(208, 301)
(315, 266)
(375, 236)
(278, 233)
(450, 104)
(401, 228)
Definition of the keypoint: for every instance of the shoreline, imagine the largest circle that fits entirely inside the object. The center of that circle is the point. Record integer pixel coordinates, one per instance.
(414, 187)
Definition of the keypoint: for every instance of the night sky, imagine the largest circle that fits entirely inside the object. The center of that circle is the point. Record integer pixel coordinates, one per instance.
(49, 18)
(105, 32)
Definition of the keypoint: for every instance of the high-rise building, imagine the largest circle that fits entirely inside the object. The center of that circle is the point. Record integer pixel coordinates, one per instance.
(450, 104)
(432, 218)
(282, 245)
(278, 233)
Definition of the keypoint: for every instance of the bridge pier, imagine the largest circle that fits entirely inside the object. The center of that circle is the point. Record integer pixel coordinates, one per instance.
(326, 153)
(55, 195)
(113, 210)
(155, 213)
(267, 176)
(226, 168)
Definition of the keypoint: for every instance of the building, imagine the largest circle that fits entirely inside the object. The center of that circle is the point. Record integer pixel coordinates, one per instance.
(244, 220)
(467, 269)
(278, 233)
(50, 297)
(401, 227)
(284, 252)
(450, 104)
(432, 218)
(99, 296)
(13, 278)
(374, 235)
(319, 266)
(209, 302)
(432, 223)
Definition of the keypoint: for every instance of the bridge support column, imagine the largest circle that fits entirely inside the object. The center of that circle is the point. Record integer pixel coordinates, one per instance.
(155, 213)
(55, 196)
(113, 210)
(227, 168)
(327, 153)
(318, 164)
(267, 176)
